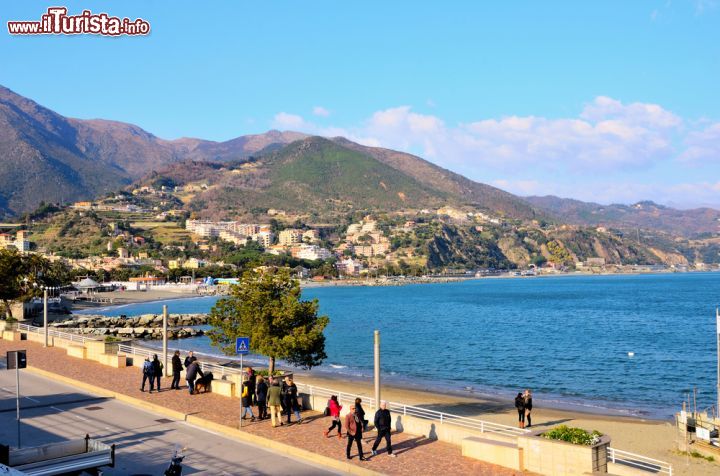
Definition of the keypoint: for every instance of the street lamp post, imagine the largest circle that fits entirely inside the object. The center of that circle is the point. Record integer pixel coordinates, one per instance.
(377, 369)
(45, 315)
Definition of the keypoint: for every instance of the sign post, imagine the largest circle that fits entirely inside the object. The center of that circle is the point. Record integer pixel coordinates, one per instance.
(17, 359)
(242, 347)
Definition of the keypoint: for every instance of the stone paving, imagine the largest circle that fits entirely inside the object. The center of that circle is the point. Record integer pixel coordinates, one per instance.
(416, 455)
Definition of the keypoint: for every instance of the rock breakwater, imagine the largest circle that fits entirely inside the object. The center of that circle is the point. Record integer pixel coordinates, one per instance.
(146, 326)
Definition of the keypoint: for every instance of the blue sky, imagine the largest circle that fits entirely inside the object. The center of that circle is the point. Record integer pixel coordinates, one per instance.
(605, 101)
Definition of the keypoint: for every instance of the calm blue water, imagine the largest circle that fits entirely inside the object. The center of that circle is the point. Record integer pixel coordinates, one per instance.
(567, 338)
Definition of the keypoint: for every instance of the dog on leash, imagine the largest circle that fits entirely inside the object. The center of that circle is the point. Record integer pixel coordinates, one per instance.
(204, 383)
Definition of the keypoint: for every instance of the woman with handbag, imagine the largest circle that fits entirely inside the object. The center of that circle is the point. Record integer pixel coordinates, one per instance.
(334, 408)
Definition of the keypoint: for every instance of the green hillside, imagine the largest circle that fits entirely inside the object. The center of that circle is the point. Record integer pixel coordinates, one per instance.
(315, 176)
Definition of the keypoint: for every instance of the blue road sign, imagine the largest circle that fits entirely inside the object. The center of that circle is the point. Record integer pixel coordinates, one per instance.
(242, 345)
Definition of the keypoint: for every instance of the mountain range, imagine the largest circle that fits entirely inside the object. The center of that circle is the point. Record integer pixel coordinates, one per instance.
(48, 157)
(45, 156)
(642, 215)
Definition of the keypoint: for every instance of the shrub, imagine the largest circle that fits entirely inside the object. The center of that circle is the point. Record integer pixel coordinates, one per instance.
(264, 373)
(576, 436)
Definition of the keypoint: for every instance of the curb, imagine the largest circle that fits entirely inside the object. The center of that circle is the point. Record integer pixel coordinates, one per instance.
(280, 448)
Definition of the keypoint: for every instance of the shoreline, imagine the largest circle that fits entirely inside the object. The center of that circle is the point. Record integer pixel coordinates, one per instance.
(125, 298)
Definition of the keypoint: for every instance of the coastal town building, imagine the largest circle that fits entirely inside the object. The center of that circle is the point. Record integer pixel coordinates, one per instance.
(311, 236)
(290, 237)
(176, 263)
(349, 267)
(20, 241)
(314, 252)
(234, 237)
(264, 238)
(194, 263)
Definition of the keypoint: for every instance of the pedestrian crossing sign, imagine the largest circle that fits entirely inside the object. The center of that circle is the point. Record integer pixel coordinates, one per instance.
(242, 345)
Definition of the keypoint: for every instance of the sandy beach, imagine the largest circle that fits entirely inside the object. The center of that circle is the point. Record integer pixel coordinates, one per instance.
(652, 438)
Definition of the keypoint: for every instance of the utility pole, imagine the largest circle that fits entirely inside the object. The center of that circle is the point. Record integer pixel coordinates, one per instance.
(45, 317)
(165, 339)
(377, 370)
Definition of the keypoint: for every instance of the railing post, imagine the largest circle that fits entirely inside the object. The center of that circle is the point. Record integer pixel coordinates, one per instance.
(482, 426)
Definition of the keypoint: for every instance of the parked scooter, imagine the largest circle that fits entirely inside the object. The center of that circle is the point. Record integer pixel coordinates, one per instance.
(175, 468)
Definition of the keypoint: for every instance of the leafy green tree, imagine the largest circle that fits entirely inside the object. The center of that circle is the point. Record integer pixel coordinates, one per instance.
(266, 306)
(21, 277)
(11, 280)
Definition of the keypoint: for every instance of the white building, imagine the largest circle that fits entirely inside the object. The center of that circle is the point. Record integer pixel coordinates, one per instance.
(314, 252)
(349, 267)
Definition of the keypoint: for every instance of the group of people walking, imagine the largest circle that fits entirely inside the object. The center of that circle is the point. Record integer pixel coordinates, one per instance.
(524, 405)
(281, 399)
(356, 424)
(153, 371)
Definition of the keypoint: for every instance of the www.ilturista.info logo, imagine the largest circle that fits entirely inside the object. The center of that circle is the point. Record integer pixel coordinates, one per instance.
(57, 22)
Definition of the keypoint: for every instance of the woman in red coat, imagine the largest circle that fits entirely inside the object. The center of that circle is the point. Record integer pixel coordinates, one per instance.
(334, 408)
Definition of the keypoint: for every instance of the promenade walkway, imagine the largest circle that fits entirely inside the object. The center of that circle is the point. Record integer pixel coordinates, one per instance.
(416, 455)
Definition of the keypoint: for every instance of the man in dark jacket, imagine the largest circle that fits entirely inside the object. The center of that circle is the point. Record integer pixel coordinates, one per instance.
(176, 368)
(191, 374)
(261, 395)
(147, 371)
(354, 426)
(251, 384)
(189, 359)
(157, 370)
(383, 426)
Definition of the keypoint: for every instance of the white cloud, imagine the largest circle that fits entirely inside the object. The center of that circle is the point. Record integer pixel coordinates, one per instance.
(703, 145)
(625, 143)
(607, 135)
(284, 120)
(650, 115)
(320, 111)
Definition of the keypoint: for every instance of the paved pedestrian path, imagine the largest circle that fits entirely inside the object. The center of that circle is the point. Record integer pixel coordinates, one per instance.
(416, 455)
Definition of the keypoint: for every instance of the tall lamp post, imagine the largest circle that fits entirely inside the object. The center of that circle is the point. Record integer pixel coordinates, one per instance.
(377, 369)
(45, 315)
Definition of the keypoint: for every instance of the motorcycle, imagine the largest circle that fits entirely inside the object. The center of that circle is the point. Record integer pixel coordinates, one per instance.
(175, 468)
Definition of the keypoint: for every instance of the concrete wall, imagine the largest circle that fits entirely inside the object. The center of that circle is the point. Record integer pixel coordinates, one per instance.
(623, 470)
(545, 456)
(496, 452)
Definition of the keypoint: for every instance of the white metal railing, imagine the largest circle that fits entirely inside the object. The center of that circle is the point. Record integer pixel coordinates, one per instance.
(400, 408)
(216, 369)
(419, 412)
(81, 339)
(638, 461)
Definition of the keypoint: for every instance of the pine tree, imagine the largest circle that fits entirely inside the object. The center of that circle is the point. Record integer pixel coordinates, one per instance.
(266, 306)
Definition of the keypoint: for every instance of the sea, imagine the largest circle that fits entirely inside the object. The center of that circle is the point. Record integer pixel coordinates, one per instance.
(633, 345)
